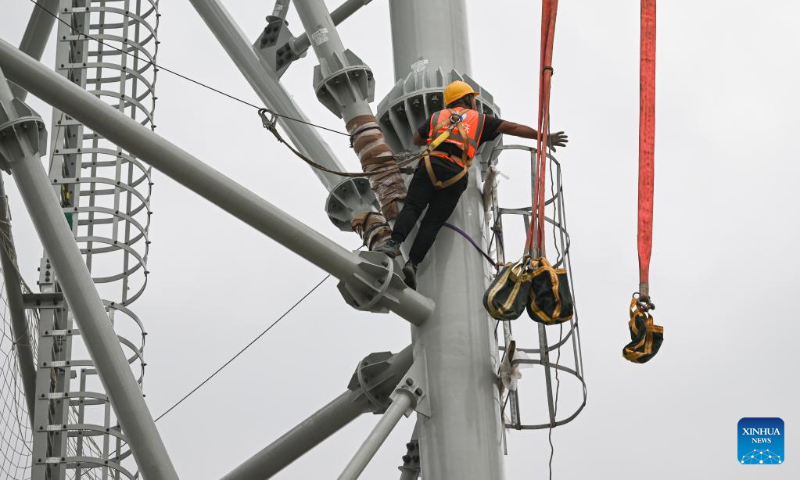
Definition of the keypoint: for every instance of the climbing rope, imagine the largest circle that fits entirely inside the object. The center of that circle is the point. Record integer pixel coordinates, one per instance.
(268, 120)
(473, 243)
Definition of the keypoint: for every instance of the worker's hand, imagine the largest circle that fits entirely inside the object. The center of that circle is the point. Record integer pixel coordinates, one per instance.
(558, 139)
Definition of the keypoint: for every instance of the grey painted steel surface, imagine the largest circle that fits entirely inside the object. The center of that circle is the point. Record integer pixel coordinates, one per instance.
(280, 10)
(409, 470)
(462, 439)
(204, 180)
(269, 90)
(36, 35)
(86, 305)
(432, 30)
(351, 100)
(19, 322)
(409, 475)
(301, 42)
(328, 420)
(402, 402)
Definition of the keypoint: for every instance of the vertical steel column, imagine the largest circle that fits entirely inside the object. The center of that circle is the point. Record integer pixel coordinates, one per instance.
(34, 40)
(84, 301)
(432, 30)
(19, 322)
(462, 439)
(269, 90)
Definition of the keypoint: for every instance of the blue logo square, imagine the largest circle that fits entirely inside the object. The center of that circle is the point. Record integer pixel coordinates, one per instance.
(761, 441)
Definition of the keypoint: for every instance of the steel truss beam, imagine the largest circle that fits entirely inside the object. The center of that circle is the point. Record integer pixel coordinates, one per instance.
(374, 286)
(22, 142)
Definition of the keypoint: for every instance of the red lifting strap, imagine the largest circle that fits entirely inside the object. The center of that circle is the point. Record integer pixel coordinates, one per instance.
(549, 10)
(647, 127)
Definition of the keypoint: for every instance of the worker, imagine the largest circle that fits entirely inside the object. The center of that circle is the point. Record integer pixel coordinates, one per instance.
(441, 176)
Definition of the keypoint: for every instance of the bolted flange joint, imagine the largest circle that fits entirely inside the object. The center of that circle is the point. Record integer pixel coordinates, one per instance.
(368, 288)
(343, 81)
(376, 379)
(347, 200)
(411, 458)
(22, 134)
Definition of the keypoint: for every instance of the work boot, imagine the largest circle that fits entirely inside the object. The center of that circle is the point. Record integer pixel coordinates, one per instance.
(390, 248)
(410, 272)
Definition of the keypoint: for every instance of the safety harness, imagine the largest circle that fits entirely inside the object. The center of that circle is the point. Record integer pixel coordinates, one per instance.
(453, 122)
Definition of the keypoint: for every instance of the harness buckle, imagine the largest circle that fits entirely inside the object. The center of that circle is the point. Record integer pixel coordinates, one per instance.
(455, 119)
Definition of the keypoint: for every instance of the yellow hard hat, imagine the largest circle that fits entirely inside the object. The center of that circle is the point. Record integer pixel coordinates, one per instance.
(456, 90)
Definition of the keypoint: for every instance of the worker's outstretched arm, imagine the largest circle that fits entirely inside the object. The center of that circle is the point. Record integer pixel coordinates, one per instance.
(418, 140)
(558, 139)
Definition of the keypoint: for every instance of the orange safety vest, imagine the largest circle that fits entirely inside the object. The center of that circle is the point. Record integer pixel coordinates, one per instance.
(464, 134)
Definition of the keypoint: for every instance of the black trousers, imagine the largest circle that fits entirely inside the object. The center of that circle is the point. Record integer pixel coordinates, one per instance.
(440, 203)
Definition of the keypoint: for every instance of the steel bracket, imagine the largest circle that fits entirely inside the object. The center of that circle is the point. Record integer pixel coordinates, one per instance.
(274, 46)
(411, 458)
(22, 133)
(343, 81)
(368, 287)
(348, 199)
(43, 300)
(375, 379)
(415, 382)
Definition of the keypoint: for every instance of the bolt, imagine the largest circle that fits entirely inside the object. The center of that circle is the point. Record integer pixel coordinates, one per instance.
(419, 392)
(406, 459)
(409, 381)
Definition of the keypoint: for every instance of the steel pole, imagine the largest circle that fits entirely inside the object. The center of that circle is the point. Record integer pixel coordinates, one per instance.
(462, 438)
(202, 179)
(432, 30)
(87, 307)
(401, 403)
(19, 323)
(266, 85)
(38, 31)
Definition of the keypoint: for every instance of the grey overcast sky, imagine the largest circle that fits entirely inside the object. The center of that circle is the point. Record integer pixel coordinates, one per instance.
(725, 259)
